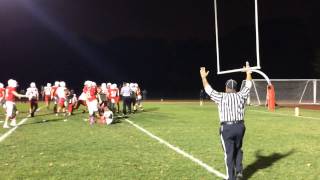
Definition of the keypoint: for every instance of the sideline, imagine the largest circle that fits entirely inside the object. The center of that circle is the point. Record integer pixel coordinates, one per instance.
(179, 151)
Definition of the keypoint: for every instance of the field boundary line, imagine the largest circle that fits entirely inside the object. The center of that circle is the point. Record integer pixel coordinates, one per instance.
(283, 114)
(179, 151)
(8, 133)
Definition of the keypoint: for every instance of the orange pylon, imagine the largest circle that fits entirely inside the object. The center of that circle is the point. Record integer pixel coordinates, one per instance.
(271, 97)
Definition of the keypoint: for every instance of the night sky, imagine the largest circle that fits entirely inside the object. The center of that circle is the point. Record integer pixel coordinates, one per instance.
(158, 44)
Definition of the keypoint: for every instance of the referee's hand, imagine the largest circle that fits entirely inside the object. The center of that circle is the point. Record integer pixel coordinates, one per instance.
(246, 68)
(203, 72)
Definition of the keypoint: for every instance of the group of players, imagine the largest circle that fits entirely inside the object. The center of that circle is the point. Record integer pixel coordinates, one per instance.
(102, 102)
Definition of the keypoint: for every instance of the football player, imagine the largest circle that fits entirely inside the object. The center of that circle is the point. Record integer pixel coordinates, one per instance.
(10, 97)
(33, 96)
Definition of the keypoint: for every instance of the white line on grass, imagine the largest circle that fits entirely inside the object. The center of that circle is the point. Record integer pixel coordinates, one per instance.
(8, 133)
(5, 135)
(283, 114)
(178, 150)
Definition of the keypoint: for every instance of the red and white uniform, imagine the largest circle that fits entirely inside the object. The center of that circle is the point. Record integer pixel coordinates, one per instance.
(92, 101)
(139, 95)
(72, 102)
(2, 93)
(83, 96)
(54, 94)
(61, 93)
(10, 100)
(47, 93)
(113, 95)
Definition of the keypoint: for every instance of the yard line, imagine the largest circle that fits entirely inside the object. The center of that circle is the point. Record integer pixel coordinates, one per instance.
(8, 133)
(5, 135)
(283, 114)
(179, 151)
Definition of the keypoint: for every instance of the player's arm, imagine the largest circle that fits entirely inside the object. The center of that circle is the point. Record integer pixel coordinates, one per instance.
(18, 95)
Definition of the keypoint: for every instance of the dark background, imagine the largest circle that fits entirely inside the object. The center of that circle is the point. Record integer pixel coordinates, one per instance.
(158, 44)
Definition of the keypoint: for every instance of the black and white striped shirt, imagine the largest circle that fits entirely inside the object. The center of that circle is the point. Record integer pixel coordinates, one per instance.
(230, 105)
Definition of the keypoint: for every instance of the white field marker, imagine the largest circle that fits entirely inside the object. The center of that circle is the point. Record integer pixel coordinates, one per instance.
(179, 151)
(8, 133)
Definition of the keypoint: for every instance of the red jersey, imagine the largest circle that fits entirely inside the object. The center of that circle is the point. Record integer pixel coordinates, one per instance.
(2, 90)
(113, 93)
(85, 89)
(92, 94)
(9, 94)
(54, 90)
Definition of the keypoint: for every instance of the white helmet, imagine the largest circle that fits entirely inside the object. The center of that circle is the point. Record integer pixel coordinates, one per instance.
(93, 84)
(56, 83)
(113, 86)
(62, 84)
(33, 85)
(86, 83)
(12, 83)
(48, 84)
(136, 84)
(109, 84)
(103, 85)
(1, 85)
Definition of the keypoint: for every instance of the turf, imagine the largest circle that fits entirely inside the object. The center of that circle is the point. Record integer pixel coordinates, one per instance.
(276, 146)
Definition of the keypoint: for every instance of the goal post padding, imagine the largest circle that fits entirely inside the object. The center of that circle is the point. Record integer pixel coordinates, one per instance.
(287, 91)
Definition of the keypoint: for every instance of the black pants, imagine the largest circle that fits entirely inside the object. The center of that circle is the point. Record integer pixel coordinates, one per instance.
(231, 138)
(33, 107)
(126, 103)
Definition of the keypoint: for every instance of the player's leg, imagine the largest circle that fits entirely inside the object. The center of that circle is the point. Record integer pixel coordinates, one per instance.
(32, 108)
(124, 105)
(228, 146)
(9, 112)
(238, 149)
(13, 116)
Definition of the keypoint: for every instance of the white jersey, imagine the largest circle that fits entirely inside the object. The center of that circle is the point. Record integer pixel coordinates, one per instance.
(32, 93)
(61, 92)
(108, 116)
(83, 97)
(47, 91)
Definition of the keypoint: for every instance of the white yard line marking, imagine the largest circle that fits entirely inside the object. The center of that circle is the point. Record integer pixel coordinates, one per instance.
(8, 133)
(179, 151)
(283, 114)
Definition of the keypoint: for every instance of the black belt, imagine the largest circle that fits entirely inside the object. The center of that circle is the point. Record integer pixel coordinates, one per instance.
(231, 122)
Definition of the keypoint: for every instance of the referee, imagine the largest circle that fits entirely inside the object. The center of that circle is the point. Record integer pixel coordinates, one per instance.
(231, 112)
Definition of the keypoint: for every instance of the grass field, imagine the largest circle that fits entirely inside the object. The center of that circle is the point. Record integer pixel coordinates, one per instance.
(276, 145)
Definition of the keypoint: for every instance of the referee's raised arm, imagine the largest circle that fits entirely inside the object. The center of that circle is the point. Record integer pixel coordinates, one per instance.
(214, 95)
(204, 74)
